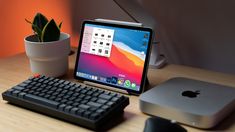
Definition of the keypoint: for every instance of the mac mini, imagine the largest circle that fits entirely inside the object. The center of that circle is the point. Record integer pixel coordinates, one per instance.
(195, 103)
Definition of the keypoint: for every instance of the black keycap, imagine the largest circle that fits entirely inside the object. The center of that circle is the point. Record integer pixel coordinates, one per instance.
(70, 92)
(95, 94)
(52, 97)
(31, 91)
(53, 88)
(87, 97)
(67, 108)
(61, 85)
(88, 88)
(100, 91)
(71, 84)
(61, 81)
(23, 84)
(66, 82)
(67, 87)
(94, 99)
(62, 106)
(105, 96)
(59, 89)
(50, 83)
(84, 101)
(105, 107)
(114, 99)
(19, 88)
(66, 96)
(9, 91)
(60, 95)
(81, 96)
(92, 109)
(47, 96)
(87, 114)
(64, 101)
(83, 91)
(40, 80)
(41, 94)
(80, 112)
(50, 92)
(41, 100)
(72, 88)
(78, 89)
(69, 102)
(72, 98)
(55, 93)
(107, 92)
(29, 86)
(28, 81)
(94, 116)
(85, 107)
(93, 104)
(110, 103)
(78, 100)
(26, 90)
(58, 99)
(75, 104)
(44, 91)
(101, 101)
(100, 111)
(21, 95)
(74, 110)
(75, 94)
(89, 93)
(46, 81)
(64, 91)
(36, 93)
(56, 80)
(56, 84)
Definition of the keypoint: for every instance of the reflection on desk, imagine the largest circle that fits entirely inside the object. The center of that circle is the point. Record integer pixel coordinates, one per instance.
(16, 69)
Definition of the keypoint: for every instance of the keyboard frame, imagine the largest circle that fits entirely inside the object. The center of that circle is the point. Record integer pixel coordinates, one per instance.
(72, 118)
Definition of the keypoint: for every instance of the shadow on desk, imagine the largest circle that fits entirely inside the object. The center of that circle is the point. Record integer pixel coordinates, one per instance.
(117, 120)
(225, 124)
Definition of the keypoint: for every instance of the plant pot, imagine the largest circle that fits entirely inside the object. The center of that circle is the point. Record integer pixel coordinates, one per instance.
(48, 58)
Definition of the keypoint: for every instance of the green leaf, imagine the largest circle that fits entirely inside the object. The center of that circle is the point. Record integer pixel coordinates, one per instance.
(60, 25)
(50, 32)
(37, 30)
(40, 21)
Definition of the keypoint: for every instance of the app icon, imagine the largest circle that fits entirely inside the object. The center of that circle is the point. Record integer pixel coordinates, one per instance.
(108, 80)
(145, 43)
(133, 85)
(146, 35)
(103, 79)
(95, 77)
(114, 80)
(90, 76)
(127, 83)
(120, 81)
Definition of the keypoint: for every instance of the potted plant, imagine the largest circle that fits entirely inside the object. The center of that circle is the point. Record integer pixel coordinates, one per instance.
(48, 48)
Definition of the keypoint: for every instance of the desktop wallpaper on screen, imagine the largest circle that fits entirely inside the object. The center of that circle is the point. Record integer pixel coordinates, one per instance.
(113, 55)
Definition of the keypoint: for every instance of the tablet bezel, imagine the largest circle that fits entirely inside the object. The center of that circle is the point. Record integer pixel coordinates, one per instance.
(145, 68)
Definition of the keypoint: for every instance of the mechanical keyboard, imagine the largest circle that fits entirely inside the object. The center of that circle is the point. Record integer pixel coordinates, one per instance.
(78, 103)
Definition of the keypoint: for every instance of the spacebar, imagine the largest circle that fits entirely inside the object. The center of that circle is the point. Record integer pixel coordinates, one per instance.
(41, 100)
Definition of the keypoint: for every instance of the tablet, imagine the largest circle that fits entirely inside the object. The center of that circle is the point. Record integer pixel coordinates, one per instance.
(113, 55)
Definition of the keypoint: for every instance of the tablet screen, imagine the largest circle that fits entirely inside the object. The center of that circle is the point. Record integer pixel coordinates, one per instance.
(113, 55)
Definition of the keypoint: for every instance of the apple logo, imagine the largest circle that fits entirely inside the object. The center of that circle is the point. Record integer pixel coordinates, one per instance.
(190, 94)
